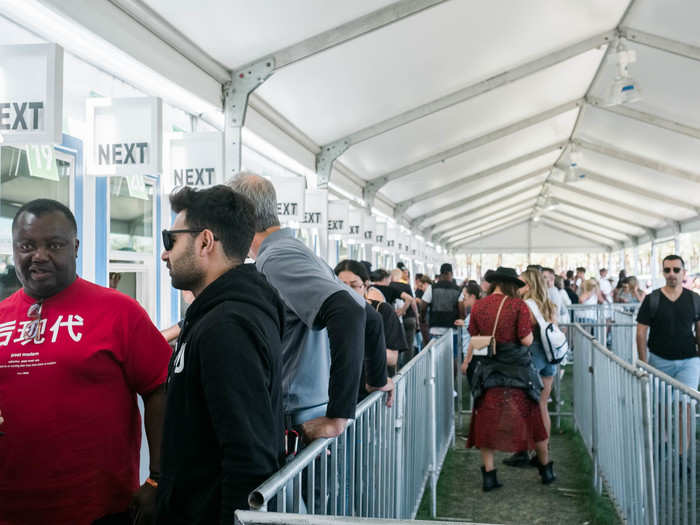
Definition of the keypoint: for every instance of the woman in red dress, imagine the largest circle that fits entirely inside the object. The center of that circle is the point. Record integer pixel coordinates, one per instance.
(507, 415)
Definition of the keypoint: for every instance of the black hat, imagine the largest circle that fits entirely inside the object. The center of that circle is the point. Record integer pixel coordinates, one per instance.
(504, 274)
(400, 265)
(445, 268)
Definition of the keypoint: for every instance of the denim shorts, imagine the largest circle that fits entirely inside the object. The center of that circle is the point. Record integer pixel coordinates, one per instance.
(686, 371)
(544, 367)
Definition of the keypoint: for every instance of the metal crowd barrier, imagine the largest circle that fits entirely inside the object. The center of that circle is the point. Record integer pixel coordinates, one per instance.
(244, 517)
(381, 464)
(613, 414)
(623, 334)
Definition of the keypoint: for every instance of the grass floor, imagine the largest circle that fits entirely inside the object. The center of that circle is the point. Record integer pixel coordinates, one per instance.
(523, 499)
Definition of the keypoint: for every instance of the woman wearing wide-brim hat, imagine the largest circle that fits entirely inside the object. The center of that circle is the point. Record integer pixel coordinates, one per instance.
(505, 385)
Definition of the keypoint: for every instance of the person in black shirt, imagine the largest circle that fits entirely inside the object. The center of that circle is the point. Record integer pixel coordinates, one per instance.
(401, 297)
(673, 314)
(377, 353)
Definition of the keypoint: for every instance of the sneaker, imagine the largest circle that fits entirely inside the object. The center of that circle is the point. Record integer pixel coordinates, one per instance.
(519, 459)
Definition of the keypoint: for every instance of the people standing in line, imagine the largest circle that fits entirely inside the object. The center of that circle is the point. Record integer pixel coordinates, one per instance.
(621, 278)
(73, 357)
(536, 297)
(569, 288)
(384, 337)
(579, 279)
(670, 316)
(323, 338)
(224, 425)
(553, 293)
(631, 293)
(425, 284)
(589, 296)
(505, 385)
(606, 288)
(566, 300)
(410, 315)
(442, 299)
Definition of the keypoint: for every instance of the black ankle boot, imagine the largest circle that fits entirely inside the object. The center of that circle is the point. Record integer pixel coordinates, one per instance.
(490, 480)
(519, 459)
(547, 473)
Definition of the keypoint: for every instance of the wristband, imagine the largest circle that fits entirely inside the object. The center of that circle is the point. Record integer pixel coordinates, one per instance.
(152, 483)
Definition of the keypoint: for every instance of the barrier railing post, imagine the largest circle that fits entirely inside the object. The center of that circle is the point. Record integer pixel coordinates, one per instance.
(460, 357)
(650, 503)
(398, 437)
(433, 420)
(594, 427)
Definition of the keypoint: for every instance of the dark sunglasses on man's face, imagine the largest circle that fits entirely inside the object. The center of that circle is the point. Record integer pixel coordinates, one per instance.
(169, 238)
(675, 269)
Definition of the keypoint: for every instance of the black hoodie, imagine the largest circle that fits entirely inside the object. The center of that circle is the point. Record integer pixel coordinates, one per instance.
(224, 427)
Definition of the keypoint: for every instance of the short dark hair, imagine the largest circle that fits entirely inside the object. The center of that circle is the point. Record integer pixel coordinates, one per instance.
(508, 288)
(356, 267)
(545, 269)
(41, 207)
(569, 274)
(673, 257)
(580, 269)
(418, 276)
(378, 275)
(473, 288)
(445, 268)
(534, 267)
(228, 214)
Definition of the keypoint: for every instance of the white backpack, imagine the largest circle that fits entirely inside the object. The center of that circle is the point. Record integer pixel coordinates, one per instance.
(553, 339)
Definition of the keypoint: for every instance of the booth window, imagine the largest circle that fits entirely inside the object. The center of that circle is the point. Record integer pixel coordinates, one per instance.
(26, 173)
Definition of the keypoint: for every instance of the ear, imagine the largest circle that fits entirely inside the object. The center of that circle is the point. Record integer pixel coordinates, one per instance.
(77, 245)
(206, 243)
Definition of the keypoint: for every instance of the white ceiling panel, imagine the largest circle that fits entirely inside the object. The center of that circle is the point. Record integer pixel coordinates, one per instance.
(648, 141)
(592, 227)
(667, 82)
(646, 178)
(476, 117)
(425, 57)
(544, 239)
(520, 193)
(590, 217)
(570, 194)
(674, 19)
(463, 191)
(485, 157)
(236, 32)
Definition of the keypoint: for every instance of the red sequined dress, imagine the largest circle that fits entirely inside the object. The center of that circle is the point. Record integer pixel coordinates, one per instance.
(504, 419)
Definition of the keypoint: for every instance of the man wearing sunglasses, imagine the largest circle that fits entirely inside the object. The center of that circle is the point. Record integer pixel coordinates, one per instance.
(73, 356)
(223, 432)
(673, 315)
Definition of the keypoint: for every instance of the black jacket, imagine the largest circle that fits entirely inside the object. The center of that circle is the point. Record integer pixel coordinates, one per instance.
(510, 367)
(444, 309)
(224, 426)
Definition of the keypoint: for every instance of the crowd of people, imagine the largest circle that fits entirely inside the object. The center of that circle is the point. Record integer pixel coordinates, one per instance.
(270, 356)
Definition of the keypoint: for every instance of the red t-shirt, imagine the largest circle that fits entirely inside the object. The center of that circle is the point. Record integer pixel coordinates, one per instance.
(70, 453)
(513, 324)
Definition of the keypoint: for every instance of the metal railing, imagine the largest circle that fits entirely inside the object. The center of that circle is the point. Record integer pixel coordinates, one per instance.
(381, 464)
(613, 415)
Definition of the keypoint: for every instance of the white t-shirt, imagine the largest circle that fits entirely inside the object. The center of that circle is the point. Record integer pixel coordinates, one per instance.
(560, 309)
(428, 298)
(606, 290)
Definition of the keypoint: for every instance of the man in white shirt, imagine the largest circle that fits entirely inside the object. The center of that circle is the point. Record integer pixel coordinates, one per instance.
(605, 286)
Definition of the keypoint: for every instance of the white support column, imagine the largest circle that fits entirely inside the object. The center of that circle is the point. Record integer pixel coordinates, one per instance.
(635, 259)
(654, 266)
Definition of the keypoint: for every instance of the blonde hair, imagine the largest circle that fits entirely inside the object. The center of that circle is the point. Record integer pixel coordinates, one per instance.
(589, 285)
(538, 292)
(632, 283)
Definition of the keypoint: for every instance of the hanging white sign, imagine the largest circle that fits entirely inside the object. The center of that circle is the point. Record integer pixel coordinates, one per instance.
(31, 94)
(368, 225)
(194, 159)
(124, 136)
(338, 212)
(355, 219)
(391, 232)
(290, 198)
(380, 234)
(315, 209)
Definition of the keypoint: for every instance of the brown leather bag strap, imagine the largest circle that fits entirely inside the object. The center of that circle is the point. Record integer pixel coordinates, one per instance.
(497, 316)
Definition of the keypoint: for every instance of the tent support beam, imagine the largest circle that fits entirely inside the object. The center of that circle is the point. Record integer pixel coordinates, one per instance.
(491, 224)
(662, 43)
(552, 216)
(569, 216)
(486, 220)
(646, 118)
(611, 151)
(402, 206)
(492, 231)
(548, 222)
(376, 183)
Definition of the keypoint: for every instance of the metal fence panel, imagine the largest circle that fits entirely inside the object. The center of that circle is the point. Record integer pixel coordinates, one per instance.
(381, 464)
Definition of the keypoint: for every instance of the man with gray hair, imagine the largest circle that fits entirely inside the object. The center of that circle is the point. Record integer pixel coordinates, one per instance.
(323, 339)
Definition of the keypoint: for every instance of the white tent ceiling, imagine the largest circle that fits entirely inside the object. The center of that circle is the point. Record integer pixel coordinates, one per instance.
(457, 113)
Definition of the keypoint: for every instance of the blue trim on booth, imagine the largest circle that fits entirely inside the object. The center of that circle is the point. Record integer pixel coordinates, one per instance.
(101, 230)
(74, 146)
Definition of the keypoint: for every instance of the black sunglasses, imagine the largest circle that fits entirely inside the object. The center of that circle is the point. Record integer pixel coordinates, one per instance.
(169, 238)
(675, 269)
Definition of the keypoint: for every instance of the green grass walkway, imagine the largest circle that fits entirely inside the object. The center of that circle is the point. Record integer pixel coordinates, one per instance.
(570, 500)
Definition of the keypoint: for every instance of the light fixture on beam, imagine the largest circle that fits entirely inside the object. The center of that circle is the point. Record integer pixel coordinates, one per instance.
(574, 173)
(624, 89)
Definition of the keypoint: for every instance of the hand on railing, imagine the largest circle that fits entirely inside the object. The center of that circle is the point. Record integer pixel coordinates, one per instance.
(388, 388)
(459, 322)
(322, 427)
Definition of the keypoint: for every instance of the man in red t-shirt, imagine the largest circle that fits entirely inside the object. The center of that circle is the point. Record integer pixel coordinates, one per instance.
(73, 356)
